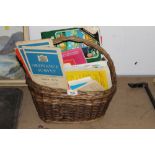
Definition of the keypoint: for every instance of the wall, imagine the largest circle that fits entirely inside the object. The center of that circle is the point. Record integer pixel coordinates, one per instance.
(131, 48)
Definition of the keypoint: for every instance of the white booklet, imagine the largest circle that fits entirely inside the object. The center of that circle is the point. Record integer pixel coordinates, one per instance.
(98, 64)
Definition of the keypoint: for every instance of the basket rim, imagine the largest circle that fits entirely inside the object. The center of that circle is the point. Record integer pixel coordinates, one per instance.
(48, 91)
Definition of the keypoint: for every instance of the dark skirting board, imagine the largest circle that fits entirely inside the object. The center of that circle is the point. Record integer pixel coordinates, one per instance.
(10, 101)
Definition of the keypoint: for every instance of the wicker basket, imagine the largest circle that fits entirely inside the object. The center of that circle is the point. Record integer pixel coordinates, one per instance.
(56, 105)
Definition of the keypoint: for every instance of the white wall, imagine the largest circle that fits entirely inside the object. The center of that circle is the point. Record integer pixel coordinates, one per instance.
(126, 45)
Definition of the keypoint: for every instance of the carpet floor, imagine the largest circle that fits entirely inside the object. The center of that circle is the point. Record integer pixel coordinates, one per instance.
(129, 108)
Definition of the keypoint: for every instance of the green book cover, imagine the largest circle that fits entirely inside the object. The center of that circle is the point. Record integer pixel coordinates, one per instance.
(91, 54)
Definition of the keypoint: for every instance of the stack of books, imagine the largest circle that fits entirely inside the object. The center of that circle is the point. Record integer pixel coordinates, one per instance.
(50, 66)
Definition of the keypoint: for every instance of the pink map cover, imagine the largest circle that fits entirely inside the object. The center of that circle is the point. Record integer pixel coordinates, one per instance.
(74, 56)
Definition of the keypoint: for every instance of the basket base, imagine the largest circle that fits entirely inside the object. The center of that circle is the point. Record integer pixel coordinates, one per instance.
(70, 122)
(85, 117)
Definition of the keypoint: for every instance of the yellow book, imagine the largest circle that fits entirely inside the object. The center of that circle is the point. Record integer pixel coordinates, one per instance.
(100, 74)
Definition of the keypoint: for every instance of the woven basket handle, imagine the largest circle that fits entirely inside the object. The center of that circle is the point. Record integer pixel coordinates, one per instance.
(93, 45)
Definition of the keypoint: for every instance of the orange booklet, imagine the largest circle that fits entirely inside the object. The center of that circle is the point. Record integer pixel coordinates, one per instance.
(22, 61)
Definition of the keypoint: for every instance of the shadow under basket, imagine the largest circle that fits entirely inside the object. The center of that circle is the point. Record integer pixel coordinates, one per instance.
(56, 105)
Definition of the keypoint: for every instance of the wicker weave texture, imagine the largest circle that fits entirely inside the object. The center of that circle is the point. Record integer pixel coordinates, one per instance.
(56, 105)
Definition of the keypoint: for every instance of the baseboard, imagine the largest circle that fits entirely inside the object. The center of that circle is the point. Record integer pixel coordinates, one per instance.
(152, 76)
(13, 83)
